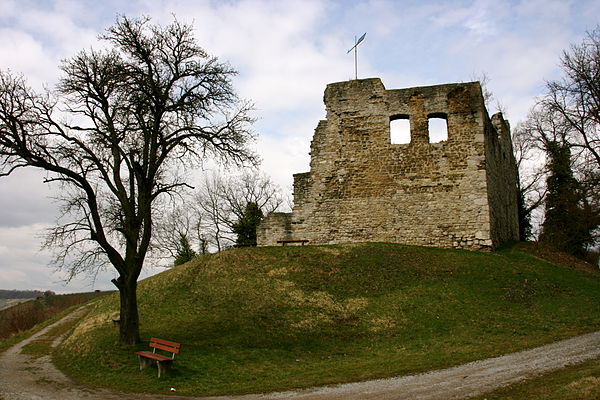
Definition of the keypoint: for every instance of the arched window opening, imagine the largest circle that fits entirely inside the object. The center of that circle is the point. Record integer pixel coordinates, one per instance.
(437, 124)
(399, 129)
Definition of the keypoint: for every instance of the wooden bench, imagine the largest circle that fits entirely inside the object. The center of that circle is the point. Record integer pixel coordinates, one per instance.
(163, 362)
(284, 242)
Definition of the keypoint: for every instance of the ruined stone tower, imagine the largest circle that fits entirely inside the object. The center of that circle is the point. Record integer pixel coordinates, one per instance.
(458, 193)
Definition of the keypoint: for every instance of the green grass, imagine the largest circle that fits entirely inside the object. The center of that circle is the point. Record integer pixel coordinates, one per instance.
(275, 318)
(580, 382)
(43, 345)
(19, 337)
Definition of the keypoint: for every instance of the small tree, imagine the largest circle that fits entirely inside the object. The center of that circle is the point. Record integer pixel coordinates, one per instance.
(114, 134)
(528, 151)
(525, 226)
(185, 253)
(221, 201)
(245, 228)
(563, 225)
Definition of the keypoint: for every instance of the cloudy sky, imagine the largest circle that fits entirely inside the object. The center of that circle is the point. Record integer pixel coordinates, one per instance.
(286, 52)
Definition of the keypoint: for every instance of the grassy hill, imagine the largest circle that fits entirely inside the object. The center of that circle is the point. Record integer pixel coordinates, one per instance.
(274, 318)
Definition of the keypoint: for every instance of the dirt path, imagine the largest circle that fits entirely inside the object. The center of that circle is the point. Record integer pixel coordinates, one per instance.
(23, 377)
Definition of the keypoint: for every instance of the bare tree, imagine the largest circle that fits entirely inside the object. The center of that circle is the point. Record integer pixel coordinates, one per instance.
(531, 167)
(115, 133)
(575, 99)
(567, 120)
(171, 226)
(221, 200)
(533, 139)
(492, 103)
(251, 187)
(570, 208)
(213, 212)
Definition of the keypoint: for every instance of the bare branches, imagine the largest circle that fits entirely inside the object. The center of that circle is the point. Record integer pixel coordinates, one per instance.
(214, 209)
(152, 101)
(222, 200)
(564, 126)
(575, 99)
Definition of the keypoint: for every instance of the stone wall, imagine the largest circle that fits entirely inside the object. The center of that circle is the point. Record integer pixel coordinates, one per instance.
(458, 193)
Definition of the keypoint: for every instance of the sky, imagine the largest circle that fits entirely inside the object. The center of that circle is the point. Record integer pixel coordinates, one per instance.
(286, 52)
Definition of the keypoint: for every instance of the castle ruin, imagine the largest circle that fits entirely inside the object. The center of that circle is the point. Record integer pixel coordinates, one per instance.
(458, 193)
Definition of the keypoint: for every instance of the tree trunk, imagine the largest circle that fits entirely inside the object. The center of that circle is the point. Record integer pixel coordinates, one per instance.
(129, 326)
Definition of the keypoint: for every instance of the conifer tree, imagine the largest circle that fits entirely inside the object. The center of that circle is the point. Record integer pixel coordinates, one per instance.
(566, 225)
(185, 253)
(245, 228)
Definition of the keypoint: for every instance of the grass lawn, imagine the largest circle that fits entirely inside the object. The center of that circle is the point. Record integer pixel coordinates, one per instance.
(276, 318)
(580, 382)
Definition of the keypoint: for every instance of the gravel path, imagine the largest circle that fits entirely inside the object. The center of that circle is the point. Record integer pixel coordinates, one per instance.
(23, 377)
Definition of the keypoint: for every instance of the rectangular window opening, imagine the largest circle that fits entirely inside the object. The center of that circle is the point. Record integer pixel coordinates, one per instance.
(399, 129)
(437, 125)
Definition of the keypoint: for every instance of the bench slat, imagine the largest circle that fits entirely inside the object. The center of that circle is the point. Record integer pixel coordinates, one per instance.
(165, 348)
(153, 356)
(165, 345)
(166, 342)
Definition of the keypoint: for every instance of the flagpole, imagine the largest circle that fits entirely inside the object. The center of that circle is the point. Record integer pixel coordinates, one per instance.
(355, 59)
(355, 48)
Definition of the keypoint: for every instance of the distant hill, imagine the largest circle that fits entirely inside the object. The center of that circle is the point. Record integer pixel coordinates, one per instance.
(23, 294)
(7, 303)
(16, 317)
(9, 298)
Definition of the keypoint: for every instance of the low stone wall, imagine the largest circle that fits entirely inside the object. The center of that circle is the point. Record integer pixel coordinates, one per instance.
(277, 226)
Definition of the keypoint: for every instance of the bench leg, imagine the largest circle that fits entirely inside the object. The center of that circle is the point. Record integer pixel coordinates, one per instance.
(144, 362)
(163, 367)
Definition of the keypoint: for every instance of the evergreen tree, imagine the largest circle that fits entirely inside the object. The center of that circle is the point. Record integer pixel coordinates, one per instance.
(245, 228)
(566, 225)
(524, 218)
(185, 252)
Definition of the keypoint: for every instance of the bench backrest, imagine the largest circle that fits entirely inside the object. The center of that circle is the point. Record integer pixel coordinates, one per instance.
(165, 345)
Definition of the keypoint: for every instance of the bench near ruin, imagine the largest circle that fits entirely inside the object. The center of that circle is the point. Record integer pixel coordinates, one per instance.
(163, 362)
(284, 242)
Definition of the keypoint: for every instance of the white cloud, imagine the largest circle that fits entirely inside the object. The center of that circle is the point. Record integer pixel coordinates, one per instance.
(480, 18)
(543, 11)
(25, 199)
(286, 52)
(283, 157)
(21, 53)
(26, 266)
(23, 266)
(8, 8)
(274, 45)
(36, 38)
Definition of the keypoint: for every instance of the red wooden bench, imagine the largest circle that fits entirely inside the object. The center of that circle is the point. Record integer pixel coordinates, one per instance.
(163, 362)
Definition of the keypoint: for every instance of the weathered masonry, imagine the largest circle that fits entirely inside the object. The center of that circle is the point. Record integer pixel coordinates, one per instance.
(458, 192)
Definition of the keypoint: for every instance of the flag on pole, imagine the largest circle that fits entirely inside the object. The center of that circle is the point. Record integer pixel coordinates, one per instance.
(360, 39)
(356, 43)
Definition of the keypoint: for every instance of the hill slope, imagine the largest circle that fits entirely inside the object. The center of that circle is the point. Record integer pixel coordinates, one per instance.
(261, 319)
